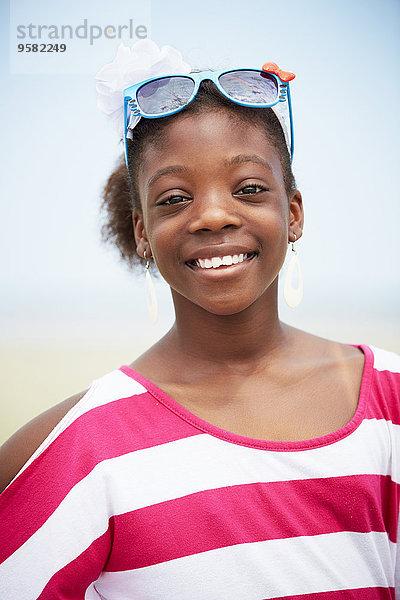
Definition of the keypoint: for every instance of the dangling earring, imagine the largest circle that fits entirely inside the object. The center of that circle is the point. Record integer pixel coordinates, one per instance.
(293, 296)
(151, 297)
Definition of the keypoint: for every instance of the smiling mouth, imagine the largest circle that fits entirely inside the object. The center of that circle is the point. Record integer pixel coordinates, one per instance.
(219, 262)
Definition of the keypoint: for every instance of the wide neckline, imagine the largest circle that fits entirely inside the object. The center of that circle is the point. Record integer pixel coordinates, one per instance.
(280, 446)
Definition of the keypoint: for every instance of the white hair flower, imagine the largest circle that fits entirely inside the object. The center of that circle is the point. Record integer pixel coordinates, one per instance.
(132, 65)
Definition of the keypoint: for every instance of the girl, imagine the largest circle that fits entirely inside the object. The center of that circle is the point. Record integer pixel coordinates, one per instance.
(238, 457)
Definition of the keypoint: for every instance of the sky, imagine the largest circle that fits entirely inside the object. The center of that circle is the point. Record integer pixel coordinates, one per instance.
(56, 150)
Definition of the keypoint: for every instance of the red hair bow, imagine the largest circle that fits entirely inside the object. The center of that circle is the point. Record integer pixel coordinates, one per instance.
(271, 67)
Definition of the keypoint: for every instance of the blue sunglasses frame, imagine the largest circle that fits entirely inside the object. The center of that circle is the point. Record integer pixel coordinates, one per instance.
(131, 106)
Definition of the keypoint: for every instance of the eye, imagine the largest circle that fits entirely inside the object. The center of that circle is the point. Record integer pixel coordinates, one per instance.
(173, 199)
(250, 189)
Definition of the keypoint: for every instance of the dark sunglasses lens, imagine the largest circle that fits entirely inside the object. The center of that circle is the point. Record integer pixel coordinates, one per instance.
(254, 87)
(163, 95)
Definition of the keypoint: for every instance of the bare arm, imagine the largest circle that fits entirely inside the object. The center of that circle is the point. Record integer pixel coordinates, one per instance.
(19, 447)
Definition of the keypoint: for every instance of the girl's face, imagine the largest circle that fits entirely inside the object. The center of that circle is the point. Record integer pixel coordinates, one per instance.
(212, 193)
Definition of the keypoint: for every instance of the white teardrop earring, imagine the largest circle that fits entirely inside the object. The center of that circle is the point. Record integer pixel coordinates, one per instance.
(151, 297)
(293, 296)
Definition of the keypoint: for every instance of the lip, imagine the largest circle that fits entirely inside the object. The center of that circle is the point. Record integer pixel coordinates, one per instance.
(219, 250)
(223, 271)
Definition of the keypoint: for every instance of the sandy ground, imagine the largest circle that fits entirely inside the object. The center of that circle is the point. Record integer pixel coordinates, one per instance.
(33, 378)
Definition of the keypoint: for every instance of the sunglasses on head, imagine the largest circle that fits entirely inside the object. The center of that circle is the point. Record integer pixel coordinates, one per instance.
(168, 94)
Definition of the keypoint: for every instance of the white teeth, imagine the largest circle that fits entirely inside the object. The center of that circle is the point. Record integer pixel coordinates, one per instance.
(217, 261)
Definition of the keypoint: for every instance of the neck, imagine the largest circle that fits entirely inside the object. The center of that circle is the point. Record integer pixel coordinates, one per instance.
(245, 337)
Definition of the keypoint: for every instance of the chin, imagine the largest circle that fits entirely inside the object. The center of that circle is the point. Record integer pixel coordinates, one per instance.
(224, 303)
(225, 308)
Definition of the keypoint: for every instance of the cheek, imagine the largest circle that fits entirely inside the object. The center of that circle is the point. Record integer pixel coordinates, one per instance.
(161, 240)
(275, 225)
(274, 240)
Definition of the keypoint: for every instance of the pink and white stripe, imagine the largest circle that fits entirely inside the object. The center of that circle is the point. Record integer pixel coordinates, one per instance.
(132, 496)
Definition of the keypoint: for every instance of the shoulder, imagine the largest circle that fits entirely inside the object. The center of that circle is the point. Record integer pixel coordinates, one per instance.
(384, 384)
(19, 448)
(384, 360)
(87, 410)
(325, 353)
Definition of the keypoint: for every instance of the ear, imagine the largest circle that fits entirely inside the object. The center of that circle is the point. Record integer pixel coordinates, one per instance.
(142, 244)
(296, 216)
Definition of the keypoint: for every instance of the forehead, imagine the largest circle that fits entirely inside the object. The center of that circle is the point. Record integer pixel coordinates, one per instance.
(208, 139)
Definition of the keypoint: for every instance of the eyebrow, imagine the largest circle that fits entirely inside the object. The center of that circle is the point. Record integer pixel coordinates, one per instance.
(244, 158)
(172, 170)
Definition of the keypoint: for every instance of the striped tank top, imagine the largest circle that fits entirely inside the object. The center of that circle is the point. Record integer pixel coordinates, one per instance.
(133, 497)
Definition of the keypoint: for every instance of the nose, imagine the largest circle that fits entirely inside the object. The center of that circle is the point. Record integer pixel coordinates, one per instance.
(214, 213)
